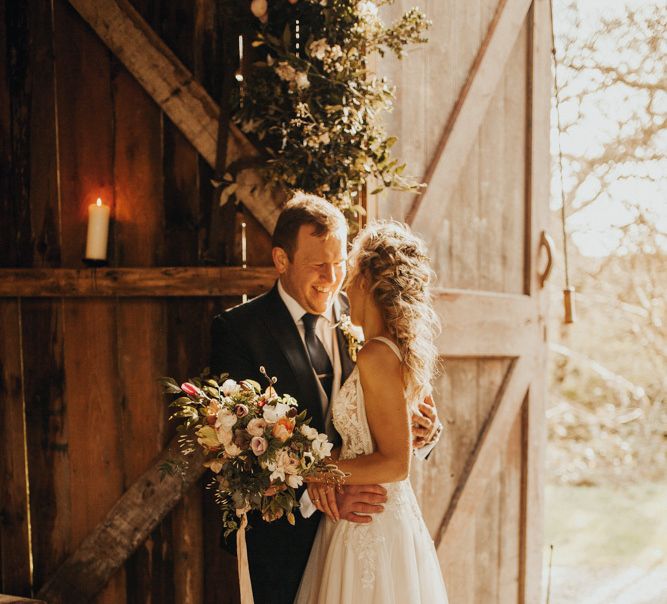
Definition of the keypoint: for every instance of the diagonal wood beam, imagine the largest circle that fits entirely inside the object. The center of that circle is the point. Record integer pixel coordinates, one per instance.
(460, 132)
(493, 436)
(173, 87)
(124, 528)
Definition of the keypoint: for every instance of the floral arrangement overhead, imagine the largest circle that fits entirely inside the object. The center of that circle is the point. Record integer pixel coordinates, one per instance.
(309, 99)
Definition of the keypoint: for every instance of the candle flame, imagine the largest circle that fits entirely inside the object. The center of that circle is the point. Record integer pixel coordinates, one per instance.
(99, 202)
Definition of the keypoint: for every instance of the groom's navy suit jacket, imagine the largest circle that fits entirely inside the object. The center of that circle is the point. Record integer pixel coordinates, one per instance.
(263, 333)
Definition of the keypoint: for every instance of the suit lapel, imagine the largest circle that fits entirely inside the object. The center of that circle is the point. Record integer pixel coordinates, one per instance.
(281, 325)
(341, 306)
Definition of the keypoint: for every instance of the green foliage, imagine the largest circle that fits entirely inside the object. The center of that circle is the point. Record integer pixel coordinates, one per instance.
(313, 105)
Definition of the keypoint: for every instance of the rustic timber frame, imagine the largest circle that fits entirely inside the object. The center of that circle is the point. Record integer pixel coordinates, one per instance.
(476, 324)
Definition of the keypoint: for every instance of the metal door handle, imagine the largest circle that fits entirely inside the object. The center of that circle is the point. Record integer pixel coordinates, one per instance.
(547, 243)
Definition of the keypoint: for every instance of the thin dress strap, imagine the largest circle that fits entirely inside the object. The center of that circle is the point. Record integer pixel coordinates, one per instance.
(391, 345)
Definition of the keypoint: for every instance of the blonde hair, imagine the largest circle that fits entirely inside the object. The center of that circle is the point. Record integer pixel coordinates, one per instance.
(396, 265)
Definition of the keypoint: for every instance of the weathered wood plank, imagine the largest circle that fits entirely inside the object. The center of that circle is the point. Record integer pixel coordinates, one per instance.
(492, 437)
(15, 245)
(465, 119)
(124, 528)
(140, 322)
(136, 282)
(175, 90)
(86, 141)
(41, 320)
(478, 323)
(187, 355)
(15, 572)
(538, 179)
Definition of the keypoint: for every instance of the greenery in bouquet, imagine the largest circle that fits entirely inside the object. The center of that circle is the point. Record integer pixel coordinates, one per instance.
(311, 101)
(258, 445)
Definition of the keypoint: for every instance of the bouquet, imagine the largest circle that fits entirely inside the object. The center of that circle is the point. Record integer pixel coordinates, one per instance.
(258, 445)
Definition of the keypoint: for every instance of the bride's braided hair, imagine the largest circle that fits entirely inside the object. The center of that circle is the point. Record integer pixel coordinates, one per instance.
(396, 265)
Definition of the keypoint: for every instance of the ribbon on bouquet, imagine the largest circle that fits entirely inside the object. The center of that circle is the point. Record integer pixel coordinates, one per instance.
(243, 567)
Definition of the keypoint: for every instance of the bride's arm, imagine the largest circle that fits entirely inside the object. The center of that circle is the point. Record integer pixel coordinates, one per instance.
(388, 418)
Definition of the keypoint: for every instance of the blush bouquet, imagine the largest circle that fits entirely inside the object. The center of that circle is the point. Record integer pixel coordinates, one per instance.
(258, 445)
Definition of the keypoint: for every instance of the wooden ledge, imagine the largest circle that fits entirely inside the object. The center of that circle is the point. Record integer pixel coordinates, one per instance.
(155, 282)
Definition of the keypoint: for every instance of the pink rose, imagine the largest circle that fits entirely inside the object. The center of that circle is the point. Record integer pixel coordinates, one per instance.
(258, 444)
(241, 410)
(190, 389)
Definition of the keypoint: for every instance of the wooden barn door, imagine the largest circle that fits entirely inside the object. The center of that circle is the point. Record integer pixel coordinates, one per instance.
(472, 116)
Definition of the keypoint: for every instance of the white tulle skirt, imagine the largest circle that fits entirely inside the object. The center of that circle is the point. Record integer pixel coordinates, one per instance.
(392, 560)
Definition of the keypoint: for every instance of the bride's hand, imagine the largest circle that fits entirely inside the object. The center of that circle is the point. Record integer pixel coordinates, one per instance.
(324, 499)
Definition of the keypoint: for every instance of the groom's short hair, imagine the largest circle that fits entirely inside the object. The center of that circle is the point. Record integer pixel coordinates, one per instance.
(306, 209)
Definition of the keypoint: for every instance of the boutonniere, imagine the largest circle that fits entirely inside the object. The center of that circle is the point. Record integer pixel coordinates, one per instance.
(353, 334)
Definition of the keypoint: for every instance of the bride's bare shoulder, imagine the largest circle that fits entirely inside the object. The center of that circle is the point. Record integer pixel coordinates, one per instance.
(377, 361)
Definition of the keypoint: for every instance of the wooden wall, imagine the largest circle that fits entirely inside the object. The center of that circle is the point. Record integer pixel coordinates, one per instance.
(78, 375)
(81, 416)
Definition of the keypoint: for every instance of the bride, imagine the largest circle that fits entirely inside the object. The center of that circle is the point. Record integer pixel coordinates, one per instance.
(392, 559)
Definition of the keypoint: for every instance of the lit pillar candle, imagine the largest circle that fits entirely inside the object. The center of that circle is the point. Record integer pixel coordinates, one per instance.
(98, 231)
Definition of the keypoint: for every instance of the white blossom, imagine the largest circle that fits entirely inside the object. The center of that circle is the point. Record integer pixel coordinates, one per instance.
(309, 432)
(230, 388)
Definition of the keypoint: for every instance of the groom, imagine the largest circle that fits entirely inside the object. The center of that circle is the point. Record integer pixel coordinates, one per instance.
(292, 331)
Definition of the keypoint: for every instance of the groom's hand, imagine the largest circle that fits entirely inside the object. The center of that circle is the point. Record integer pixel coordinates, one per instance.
(356, 502)
(425, 425)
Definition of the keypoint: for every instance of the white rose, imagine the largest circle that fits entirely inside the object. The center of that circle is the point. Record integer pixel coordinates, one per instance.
(309, 432)
(224, 435)
(225, 418)
(230, 387)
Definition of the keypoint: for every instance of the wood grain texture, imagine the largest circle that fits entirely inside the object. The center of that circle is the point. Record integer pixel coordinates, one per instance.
(174, 89)
(140, 322)
(91, 393)
(127, 524)
(538, 179)
(492, 438)
(15, 569)
(135, 282)
(42, 320)
(485, 324)
(465, 119)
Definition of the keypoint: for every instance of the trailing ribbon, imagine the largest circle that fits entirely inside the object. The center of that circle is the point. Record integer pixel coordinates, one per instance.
(243, 567)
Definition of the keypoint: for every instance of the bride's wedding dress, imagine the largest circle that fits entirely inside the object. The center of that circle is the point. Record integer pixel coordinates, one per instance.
(391, 560)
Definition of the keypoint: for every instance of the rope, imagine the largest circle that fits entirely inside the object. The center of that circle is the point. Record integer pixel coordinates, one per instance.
(560, 150)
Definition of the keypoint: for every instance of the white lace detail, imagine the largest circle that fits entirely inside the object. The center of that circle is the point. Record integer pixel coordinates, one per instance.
(349, 417)
(364, 540)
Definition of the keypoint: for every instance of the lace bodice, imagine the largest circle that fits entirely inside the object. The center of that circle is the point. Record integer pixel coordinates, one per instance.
(349, 417)
(349, 413)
